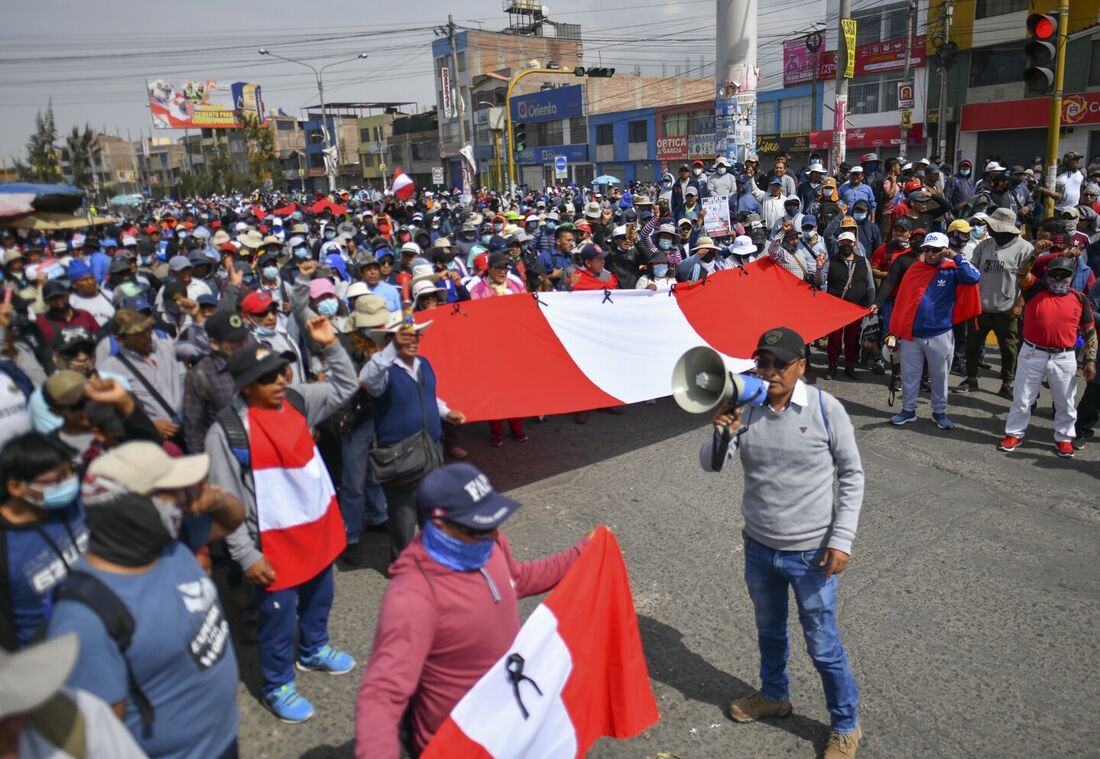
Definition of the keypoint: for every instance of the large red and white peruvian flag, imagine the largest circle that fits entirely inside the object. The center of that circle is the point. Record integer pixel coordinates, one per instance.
(301, 530)
(576, 351)
(575, 672)
(402, 185)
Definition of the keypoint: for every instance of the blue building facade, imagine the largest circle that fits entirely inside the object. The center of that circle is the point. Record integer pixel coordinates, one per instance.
(624, 144)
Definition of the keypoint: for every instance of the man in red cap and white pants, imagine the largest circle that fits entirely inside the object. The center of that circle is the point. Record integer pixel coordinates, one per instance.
(1054, 315)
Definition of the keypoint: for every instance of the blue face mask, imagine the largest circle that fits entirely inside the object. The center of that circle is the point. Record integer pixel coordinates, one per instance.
(60, 495)
(808, 235)
(977, 232)
(301, 253)
(721, 170)
(328, 307)
(965, 172)
(486, 238)
(660, 270)
(664, 243)
(270, 272)
(146, 260)
(454, 553)
(265, 331)
(792, 212)
(551, 225)
(859, 216)
(330, 234)
(453, 265)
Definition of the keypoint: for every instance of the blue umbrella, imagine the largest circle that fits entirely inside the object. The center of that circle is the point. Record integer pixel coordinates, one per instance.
(606, 179)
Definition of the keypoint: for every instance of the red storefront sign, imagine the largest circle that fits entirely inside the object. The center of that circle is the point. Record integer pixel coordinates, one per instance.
(875, 58)
(672, 148)
(868, 137)
(1033, 113)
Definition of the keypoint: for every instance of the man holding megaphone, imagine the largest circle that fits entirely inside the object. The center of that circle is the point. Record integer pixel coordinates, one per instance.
(790, 442)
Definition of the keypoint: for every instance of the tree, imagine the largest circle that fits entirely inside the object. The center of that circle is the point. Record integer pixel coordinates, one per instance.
(84, 152)
(263, 154)
(42, 164)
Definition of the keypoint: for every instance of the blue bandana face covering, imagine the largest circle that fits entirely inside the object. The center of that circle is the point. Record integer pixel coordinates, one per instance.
(454, 553)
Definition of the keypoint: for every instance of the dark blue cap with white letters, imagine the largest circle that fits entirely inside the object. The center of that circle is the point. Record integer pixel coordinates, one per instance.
(461, 493)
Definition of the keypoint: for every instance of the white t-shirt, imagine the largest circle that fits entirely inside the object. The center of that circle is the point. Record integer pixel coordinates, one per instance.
(99, 306)
(1068, 185)
(15, 416)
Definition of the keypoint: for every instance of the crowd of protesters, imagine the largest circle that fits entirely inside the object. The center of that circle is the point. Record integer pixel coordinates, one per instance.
(167, 374)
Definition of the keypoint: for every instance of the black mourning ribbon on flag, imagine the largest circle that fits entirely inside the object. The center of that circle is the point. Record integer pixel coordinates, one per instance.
(514, 666)
(606, 297)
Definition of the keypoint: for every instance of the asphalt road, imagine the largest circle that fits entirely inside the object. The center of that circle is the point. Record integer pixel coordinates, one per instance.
(969, 610)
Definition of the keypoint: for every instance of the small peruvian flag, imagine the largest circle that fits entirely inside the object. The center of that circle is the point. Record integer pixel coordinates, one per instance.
(402, 185)
(575, 672)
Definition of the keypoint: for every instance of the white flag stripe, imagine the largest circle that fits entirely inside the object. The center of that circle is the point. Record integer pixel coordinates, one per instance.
(292, 497)
(627, 348)
(490, 716)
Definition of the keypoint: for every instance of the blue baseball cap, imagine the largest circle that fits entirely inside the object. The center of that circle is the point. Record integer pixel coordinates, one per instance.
(79, 269)
(461, 493)
(809, 221)
(137, 303)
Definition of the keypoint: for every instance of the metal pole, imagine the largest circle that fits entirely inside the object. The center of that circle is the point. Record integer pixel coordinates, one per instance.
(909, 12)
(840, 105)
(330, 166)
(1055, 127)
(458, 100)
(564, 71)
(496, 155)
(735, 75)
(942, 128)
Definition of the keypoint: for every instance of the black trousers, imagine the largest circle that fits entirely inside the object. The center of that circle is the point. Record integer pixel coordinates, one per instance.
(1088, 410)
(403, 515)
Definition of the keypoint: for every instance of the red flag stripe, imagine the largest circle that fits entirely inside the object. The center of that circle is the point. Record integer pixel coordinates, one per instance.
(300, 553)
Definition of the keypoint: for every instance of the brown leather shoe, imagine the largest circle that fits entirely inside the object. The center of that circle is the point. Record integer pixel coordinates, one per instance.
(842, 745)
(752, 708)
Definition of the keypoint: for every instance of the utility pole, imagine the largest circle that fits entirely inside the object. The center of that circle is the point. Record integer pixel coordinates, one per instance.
(459, 109)
(945, 53)
(813, 44)
(735, 75)
(910, 12)
(1055, 127)
(840, 106)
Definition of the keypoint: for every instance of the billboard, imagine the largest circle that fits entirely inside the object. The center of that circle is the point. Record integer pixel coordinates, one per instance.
(548, 105)
(872, 58)
(197, 104)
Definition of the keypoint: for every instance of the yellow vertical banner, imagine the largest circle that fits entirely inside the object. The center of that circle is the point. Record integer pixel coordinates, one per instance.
(849, 26)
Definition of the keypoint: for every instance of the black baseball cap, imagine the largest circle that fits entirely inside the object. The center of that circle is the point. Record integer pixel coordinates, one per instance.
(253, 361)
(1061, 263)
(783, 343)
(54, 288)
(498, 259)
(591, 251)
(226, 326)
(68, 339)
(461, 493)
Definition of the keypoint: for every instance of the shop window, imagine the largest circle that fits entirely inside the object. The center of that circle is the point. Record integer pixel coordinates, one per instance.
(987, 8)
(675, 124)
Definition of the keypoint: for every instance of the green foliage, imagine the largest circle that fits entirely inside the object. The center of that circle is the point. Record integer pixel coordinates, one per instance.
(41, 164)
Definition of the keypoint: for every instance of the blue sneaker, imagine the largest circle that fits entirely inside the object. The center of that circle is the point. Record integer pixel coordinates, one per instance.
(286, 703)
(942, 421)
(328, 659)
(904, 417)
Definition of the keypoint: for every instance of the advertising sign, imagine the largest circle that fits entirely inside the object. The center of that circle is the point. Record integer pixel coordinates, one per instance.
(549, 105)
(849, 25)
(905, 94)
(547, 156)
(445, 85)
(701, 145)
(873, 58)
(197, 104)
(717, 221)
(672, 148)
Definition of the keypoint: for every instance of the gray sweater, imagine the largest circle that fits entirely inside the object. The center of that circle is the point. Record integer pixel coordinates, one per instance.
(321, 400)
(789, 459)
(1000, 270)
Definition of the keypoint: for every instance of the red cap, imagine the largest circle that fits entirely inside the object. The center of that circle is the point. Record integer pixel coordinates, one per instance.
(227, 247)
(216, 224)
(256, 302)
(152, 229)
(481, 262)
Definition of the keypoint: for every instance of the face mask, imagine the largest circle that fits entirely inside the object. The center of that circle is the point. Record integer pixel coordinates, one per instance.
(977, 232)
(697, 172)
(666, 184)
(531, 228)
(664, 243)
(660, 270)
(486, 238)
(965, 172)
(958, 239)
(127, 530)
(1003, 238)
(328, 307)
(859, 216)
(846, 251)
(1058, 286)
(265, 331)
(146, 260)
(498, 227)
(551, 225)
(807, 236)
(56, 496)
(454, 553)
(709, 256)
(793, 211)
(902, 244)
(721, 170)
(330, 234)
(270, 272)
(453, 265)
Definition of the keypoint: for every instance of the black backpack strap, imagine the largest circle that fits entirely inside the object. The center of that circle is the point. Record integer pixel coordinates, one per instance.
(8, 639)
(297, 402)
(89, 590)
(236, 436)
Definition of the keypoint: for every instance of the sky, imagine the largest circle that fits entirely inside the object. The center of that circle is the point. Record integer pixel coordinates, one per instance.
(92, 59)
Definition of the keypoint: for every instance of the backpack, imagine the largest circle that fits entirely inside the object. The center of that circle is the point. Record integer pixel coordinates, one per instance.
(236, 434)
(85, 588)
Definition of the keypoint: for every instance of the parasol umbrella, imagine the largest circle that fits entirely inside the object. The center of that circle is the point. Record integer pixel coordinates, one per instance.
(48, 222)
(606, 179)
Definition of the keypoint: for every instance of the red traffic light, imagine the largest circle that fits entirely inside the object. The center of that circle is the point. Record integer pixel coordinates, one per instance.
(1041, 26)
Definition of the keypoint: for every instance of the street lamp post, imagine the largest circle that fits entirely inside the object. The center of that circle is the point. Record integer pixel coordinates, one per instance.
(330, 145)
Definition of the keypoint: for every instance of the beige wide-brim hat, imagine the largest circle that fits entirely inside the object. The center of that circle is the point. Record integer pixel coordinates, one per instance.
(143, 467)
(370, 313)
(394, 322)
(28, 678)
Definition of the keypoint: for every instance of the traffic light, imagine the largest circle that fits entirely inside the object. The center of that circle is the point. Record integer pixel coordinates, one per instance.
(1042, 35)
(519, 137)
(601, 72)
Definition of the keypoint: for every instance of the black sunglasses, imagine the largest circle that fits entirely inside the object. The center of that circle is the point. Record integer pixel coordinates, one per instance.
(270, 378)
(764, 364)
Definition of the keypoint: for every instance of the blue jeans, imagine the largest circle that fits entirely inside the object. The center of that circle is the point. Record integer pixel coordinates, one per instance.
(300, 612)
(360, 496)
(768, 575)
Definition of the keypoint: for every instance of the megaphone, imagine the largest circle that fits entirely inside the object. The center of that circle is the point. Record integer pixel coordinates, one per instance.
(701, 382)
